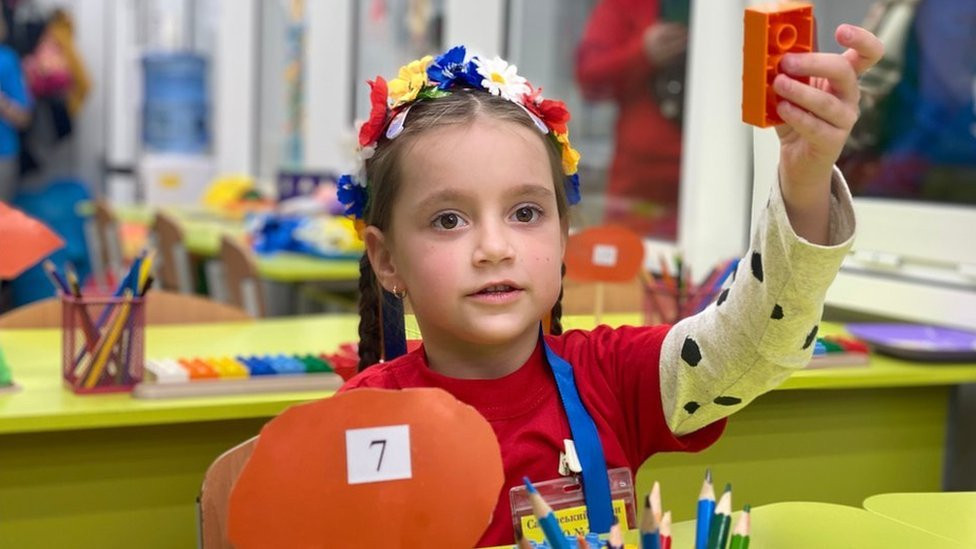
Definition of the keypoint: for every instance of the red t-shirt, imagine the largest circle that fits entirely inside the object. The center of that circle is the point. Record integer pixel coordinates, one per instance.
(616, 372)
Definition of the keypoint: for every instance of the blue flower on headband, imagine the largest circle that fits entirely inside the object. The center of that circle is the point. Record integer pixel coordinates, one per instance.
(353, 195)
(448, 68)
(572, 189)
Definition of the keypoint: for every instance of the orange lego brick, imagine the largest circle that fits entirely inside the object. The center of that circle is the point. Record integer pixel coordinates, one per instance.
(771, 30)
(197, 369)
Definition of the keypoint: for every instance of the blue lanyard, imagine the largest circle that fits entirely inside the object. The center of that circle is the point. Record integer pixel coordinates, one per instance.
(596, 485)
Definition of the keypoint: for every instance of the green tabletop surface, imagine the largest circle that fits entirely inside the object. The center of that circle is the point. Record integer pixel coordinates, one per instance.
(43, 404)
(202, 230)
(948, 514)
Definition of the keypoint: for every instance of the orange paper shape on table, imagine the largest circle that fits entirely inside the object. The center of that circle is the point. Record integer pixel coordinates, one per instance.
(608, 253)
(24, 241)
(295, 490)
(771, 31)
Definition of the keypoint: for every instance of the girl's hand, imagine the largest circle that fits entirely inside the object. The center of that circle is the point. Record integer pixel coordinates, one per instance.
(818, 119)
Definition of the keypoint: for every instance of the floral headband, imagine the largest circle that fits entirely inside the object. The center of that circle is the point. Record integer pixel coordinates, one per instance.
(429, 79)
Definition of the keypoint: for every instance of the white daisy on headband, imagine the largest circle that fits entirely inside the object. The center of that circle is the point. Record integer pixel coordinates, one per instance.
(501, 78)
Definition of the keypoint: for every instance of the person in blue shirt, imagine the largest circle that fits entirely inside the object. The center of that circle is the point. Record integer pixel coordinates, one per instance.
(15, 103)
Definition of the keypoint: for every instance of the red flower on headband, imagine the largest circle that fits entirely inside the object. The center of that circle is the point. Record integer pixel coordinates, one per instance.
(553, 113)
(372, 128)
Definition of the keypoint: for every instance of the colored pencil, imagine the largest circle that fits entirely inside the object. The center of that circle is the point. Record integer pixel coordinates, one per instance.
(650, 534)
(547, 520)
(55, 277)
(666, 531)
(581, 542)
(655, 501)
(740, 535)
(718, 531)
(522, 541)
(650, 286)
(111, 337)
(706, 506)
(666, 273)
(616, 539)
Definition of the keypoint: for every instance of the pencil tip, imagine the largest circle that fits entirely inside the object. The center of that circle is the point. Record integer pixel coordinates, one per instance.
(747, 508)
(728, 487)
(529, 486)
(708, 474)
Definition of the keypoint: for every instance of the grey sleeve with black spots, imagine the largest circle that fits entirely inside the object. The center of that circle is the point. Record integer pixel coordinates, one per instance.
(762, 327)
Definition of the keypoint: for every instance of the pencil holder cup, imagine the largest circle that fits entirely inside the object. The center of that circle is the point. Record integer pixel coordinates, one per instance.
(664, 305)
(103, 343)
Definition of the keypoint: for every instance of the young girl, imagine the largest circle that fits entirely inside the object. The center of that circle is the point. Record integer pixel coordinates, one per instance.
(463, 197)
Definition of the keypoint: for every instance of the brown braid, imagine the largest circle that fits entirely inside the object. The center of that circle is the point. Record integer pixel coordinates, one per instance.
(369, 321)
(556, 316)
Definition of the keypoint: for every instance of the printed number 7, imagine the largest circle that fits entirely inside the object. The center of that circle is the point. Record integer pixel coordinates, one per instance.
(382, 451)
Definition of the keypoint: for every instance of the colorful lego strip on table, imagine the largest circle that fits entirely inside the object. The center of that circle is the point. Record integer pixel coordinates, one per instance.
(237, 375)
(834, 351)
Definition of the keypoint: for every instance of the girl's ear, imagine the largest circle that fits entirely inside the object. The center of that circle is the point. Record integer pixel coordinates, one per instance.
(380, 257)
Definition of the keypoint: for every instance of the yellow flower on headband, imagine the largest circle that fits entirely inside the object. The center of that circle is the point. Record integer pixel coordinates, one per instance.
(410, 80)
(570, 155)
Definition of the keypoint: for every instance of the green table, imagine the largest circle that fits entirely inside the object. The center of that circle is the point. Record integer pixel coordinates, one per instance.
(102, 471)
(950, 515)
(202, 231)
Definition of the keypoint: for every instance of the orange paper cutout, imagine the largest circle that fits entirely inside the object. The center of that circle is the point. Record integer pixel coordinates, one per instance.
(294, 490)
(609, 253)
(24, 241)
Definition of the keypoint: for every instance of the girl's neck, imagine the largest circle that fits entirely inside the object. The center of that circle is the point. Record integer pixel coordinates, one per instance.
(471, 361)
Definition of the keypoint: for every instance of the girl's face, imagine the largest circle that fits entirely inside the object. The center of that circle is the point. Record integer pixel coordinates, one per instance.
(475, 236)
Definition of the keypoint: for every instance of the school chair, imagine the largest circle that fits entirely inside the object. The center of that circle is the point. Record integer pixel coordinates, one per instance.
(243, 285)
(108, 263)
(175, 271)
(580, 298)
(162, 307)
(214, 498)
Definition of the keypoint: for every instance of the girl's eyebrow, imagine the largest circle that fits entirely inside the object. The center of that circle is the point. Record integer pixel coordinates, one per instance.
(453, 196)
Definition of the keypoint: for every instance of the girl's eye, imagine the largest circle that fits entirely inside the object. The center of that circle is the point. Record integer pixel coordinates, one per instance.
(527, 214)
(448, 221)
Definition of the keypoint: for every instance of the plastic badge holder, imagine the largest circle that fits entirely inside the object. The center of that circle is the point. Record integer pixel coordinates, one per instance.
(106, 358)
(565, 496)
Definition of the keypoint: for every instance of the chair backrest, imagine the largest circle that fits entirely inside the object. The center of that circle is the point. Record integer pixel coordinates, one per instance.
(580, 298)
(175, 272)
(108, 241)
(214, 498)
(241, 274)
(162, 307)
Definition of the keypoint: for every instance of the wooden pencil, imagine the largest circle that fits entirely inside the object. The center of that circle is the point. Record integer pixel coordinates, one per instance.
(547, 520)
(718, 531)
(655, 500)
(108, 342)
(706, 507)
(740, 536)
(665, 530)
(616, 539)
(649, 527)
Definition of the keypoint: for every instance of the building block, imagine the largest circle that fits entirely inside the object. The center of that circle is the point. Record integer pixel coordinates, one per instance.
(771, 31)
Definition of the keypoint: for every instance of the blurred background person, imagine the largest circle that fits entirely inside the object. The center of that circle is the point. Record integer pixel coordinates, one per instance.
(14, 115)
(634, 53)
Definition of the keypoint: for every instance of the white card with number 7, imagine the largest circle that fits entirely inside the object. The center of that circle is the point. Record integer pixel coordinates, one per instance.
(378, 454)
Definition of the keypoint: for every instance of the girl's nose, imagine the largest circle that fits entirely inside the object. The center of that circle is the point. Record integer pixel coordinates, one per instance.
(494, 244)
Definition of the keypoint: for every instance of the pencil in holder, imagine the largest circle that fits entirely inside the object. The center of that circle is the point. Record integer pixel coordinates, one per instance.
(103, 343)
(668, 305)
